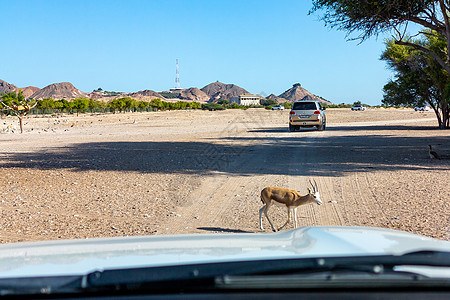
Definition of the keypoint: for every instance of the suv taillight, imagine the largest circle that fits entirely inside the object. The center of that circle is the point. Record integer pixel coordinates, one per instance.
(292, 112)
(317, 112)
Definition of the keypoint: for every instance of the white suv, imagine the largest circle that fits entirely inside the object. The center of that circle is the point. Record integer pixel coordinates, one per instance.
(359, 107)
(278, 107)
(307, 114)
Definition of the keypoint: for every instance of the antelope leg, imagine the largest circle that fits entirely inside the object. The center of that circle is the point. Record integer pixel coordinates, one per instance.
(295, 216)
(288, 219)
(266, 208)
(260, 217)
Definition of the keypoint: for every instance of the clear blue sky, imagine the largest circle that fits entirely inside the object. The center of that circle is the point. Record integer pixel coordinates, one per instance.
(262, 46)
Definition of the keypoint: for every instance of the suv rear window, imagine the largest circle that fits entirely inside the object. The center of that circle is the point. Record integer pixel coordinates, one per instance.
(304, 106)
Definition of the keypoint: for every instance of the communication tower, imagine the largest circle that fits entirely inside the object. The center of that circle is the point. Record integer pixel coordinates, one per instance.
(177, 78)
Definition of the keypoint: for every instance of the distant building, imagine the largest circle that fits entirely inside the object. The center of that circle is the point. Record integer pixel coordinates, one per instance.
(246, 99)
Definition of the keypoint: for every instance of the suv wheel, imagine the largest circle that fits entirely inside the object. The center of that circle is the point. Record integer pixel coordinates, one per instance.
(321, 127)
(291, 128)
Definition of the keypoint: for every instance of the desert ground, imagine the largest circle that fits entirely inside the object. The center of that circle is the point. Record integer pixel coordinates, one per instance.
(177, 172)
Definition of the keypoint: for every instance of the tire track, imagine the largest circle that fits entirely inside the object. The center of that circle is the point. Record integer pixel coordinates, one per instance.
(361, 208)
(330, 213)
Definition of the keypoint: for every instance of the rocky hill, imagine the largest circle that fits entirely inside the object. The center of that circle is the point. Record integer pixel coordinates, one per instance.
(29, 91)
(218, 90)
(145, 95)
(276, 98)
(94, 95)
(210, 93)
(296, 92)
(62, 90)
(194, 94)
(7, 87)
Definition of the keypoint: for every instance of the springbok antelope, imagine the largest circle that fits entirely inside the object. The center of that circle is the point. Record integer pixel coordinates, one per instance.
(290, 198)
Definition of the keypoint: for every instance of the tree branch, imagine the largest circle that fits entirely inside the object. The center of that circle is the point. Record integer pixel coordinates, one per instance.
(7, 106)
(433, 19)
(427, 24)
(433, 35)
(446, 5)
(424, 49)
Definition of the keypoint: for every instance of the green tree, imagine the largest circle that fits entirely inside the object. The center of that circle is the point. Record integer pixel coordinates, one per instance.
(233, 105)
(92, 105)
(268, 102)
(117, 104)
(58, 105)
(143, 105)
(80, 104)
(129, 103)
(194, 105)
(287, 105)
(63, 104)
(157, 104)
(18, 105)
(419, 79)
(212, 106)
(46, 103)
(100, 105)
(223, 102)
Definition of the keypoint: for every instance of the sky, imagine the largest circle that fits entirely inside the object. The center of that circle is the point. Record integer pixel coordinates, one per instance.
(128, 46)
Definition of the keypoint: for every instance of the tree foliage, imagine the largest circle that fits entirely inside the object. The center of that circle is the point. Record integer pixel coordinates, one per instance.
(117, 104)
(143, 105)
(47, 103)
(158, 104)
(287, 105)
(64, 104)
(80, 104)
(212, 106)
(17, 104)
(223, 102)
(419, 79)
(268, 102)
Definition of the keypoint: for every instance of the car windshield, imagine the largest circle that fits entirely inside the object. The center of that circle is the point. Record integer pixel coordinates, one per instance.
(304, 106)
(126, 126)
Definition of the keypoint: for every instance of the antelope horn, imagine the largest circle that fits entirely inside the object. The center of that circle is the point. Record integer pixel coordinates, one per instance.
(312, 185)
(316, 188)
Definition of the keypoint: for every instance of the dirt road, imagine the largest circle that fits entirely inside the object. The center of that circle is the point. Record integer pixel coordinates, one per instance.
(354, 164)
(202, 172)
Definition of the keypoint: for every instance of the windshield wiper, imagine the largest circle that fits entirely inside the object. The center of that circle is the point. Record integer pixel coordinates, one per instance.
(348, 272)
(223, 274)
(288, 273)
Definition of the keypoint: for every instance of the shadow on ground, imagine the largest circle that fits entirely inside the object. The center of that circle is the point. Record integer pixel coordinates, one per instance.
(222, 230)
(350, 128)
(300, 153)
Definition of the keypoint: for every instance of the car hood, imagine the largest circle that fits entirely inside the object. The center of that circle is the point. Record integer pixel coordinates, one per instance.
(78, 257)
